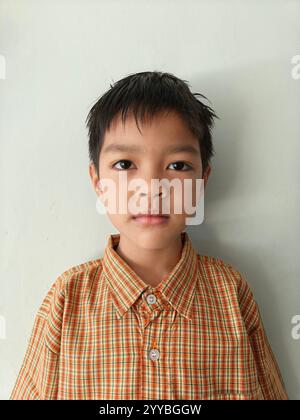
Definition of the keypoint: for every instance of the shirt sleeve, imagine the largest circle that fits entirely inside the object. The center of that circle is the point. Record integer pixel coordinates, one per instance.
(38, 376)
(270, 378)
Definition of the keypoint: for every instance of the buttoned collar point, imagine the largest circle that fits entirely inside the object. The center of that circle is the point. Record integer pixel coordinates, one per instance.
(126, 286)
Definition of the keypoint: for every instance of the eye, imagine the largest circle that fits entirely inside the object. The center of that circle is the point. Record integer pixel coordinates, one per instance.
(179, 165)
(122, 161)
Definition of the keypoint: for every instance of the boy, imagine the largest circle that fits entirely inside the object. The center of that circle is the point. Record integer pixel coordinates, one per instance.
(152, 318)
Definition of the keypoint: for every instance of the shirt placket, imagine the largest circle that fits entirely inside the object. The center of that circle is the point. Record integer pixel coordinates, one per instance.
(150, 307)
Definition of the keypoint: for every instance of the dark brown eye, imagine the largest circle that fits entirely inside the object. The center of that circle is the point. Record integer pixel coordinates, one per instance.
(125, 164)
(179, 165)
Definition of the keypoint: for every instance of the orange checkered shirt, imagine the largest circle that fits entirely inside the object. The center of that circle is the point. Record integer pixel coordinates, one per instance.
(101, 332)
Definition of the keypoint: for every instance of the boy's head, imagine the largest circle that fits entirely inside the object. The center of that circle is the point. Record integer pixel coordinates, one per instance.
(176, 132)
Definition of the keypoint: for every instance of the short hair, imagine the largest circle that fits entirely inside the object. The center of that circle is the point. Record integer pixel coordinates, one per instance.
(147, 94)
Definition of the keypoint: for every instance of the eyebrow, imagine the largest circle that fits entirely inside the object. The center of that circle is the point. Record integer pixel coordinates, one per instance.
(114, 147)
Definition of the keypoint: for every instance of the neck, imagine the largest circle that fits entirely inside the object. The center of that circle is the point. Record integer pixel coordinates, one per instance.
(152, 265)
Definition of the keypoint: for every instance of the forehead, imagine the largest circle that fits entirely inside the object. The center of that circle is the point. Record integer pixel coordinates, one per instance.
(163, 128)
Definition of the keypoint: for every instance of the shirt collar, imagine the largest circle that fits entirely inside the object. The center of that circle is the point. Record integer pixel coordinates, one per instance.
(125, 285)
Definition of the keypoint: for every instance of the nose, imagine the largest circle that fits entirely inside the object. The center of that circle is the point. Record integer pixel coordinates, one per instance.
(152, 190)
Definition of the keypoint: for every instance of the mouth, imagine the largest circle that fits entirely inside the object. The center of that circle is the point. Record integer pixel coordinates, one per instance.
(150, 219)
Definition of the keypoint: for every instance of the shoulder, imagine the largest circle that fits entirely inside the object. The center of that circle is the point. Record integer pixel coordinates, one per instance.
(78, 275)
(65, 290)
(74, 278)
(227, 282)
(217, 266)
(218, 270)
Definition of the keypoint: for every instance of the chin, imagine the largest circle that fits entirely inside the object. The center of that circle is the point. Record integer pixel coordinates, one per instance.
(153, 237)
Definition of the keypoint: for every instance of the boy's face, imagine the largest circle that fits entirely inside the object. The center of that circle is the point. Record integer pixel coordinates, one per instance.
(150, 158)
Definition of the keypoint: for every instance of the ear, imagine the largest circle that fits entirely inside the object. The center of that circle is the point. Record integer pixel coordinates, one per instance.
(206, 174)
(94, 178)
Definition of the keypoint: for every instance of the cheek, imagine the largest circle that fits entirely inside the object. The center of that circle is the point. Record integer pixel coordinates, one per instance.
(182, 199)
(109, 183)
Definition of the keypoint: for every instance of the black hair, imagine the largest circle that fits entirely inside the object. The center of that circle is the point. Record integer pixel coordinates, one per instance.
(147, 94)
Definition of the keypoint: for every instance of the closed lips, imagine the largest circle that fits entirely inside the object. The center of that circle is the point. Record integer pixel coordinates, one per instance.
(149, 215)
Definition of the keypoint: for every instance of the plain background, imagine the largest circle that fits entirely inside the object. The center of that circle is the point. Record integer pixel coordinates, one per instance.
(60, 57)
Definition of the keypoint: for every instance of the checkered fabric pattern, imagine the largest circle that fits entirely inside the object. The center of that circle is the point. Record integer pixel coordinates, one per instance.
(101, 332)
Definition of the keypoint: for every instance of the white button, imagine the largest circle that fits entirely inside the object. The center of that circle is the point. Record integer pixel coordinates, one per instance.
(151, 299)
(154, 354)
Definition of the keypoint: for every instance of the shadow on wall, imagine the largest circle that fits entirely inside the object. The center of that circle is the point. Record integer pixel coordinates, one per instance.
(241, 98)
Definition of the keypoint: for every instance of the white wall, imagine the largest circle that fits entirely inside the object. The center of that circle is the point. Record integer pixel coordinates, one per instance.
(62, 55)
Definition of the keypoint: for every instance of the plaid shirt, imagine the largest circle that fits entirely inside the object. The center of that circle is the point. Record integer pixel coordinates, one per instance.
(101, 332)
